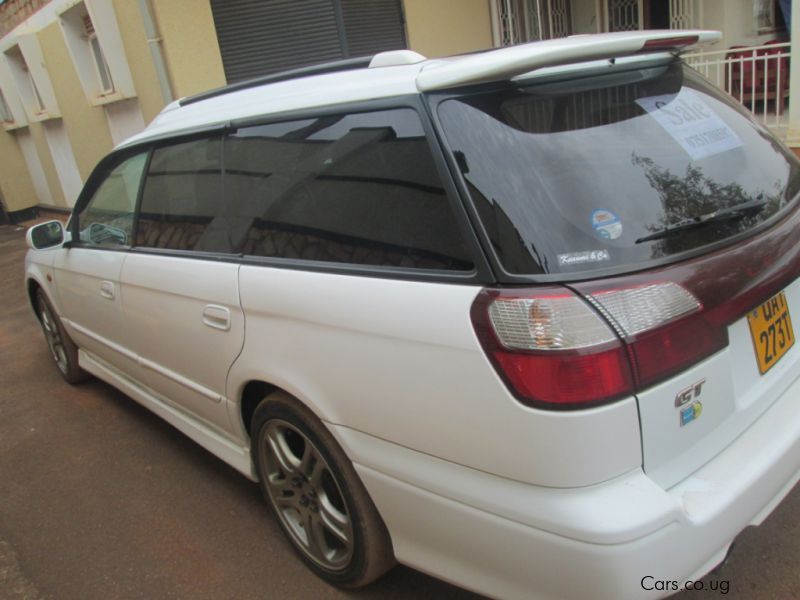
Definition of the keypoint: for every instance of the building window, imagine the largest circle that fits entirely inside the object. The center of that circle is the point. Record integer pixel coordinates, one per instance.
(681, 14)
(106, 84)
(625, 15)
(5, 113)
(520, 21)
(767, 16)
(26, 85)
(96, 50)
(39, 106)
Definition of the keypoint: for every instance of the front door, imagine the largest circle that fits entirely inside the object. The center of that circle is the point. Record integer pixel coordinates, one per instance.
(87, 274)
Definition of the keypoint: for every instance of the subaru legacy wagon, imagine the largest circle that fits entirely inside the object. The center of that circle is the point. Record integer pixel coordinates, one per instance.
(521, 319)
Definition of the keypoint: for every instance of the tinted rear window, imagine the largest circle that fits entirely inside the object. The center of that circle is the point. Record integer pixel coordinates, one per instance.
(608, 170)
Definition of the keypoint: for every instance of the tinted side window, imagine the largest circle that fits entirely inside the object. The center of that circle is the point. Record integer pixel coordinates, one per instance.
(182, 205)
(107, 219)
(359, 189)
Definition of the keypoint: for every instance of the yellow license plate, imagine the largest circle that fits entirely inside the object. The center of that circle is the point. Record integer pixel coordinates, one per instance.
(771, 328)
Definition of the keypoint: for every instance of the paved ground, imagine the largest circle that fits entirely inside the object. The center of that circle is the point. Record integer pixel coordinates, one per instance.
(101, 500)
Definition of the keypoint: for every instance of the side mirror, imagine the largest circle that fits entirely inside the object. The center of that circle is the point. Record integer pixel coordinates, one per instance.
(45, 235)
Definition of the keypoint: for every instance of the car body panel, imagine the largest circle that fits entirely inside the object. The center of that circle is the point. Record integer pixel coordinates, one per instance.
(166, 299)
(450, 521)
(90, 297)
(357, 352)
(734, 394)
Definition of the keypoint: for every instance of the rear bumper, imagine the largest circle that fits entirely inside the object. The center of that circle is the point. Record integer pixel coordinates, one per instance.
(512, 540)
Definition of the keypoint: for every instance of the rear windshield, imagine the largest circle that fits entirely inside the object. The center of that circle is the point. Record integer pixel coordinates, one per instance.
(614, 170)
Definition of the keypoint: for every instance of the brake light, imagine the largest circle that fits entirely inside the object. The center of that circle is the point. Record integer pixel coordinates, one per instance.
(555, 350)
(551, 348)
(664, 326)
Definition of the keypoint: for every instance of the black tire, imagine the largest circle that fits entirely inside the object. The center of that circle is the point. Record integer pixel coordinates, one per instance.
(325, 495)
(62, 348)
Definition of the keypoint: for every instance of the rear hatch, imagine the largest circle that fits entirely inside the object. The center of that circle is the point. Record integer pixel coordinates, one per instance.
(667, 211)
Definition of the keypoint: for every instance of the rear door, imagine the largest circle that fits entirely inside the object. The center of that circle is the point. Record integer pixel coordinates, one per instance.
(180, 281)
(88, 274)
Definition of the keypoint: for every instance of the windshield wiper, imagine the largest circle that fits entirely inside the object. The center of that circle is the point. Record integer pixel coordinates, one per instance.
(732, 213)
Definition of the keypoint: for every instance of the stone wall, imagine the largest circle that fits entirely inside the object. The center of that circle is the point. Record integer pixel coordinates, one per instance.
(14, 12)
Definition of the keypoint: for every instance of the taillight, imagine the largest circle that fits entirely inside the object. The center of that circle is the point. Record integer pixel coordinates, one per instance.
(604, 339)
(664, 326)
(552, 349)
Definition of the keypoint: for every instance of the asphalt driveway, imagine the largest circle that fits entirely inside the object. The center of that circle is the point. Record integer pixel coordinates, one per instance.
(99, 499)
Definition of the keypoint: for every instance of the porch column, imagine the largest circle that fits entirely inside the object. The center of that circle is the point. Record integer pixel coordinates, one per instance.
(793, 134)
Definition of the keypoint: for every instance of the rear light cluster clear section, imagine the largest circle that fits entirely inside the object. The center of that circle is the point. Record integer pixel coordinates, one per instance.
(645, 307)
(558, 322)
(558, 349)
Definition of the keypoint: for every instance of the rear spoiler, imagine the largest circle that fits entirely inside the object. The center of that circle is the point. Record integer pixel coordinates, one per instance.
(507, 63)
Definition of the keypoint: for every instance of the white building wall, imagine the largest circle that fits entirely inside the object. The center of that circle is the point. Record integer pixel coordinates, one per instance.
(63, 159)
(35, 169)
(584, 16)
(124, 120)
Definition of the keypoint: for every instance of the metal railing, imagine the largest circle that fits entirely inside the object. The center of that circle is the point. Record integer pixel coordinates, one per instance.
(757, 76)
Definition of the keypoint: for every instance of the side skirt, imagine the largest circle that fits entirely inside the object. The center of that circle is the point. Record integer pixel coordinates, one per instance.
(236, 456)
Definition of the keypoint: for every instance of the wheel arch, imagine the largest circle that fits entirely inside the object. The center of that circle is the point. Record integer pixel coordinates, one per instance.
(249, 386)
(253, 392)
(32, 286)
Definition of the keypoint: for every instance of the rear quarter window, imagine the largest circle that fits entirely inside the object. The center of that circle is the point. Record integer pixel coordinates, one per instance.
(353, 188)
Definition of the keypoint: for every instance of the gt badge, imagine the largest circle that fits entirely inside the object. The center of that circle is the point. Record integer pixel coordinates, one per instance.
(690, 393)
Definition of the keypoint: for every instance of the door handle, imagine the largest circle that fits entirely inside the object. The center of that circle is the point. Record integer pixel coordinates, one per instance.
(217, 317)
(107, 289)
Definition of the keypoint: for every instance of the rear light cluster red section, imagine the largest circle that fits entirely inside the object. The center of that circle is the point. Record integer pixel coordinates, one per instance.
(557, 349)
(590, 343)
(551, 347)
(663, 326)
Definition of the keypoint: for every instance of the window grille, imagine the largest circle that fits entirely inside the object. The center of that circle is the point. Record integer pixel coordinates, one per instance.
(681, 14)
(522, 21)
(88, 25)
(508, 11)
(625, 15)
(102, 72)
(559, 19)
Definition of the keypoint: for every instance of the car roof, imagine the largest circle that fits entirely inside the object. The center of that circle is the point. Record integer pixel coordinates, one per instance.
(401, 72)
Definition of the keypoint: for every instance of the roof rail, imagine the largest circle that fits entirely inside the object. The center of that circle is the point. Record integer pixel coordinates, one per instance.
(513, 61)
(361, 62)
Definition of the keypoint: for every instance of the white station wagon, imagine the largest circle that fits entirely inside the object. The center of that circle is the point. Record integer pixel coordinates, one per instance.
(520, 319)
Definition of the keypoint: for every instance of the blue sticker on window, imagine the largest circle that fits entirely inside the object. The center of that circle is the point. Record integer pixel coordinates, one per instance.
(606, 224)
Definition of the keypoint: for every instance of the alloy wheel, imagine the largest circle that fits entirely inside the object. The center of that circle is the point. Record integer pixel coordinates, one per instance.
(53, 337)
(306, 496)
